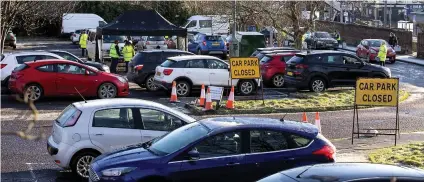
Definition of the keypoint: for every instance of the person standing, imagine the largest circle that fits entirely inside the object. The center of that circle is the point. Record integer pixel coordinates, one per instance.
(114, 55)
(83, 42)
(382, 53)
(128, 53)
(393, 41)
(337, 36)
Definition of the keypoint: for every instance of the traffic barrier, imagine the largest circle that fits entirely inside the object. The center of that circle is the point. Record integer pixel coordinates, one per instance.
(317, 122)
(304, 118)
(174, 92)
(202, 96)
(208, 106)
(230, 101)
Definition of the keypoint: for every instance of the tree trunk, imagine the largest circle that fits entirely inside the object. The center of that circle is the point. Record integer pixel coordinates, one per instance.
(298, 41)
(3, 39)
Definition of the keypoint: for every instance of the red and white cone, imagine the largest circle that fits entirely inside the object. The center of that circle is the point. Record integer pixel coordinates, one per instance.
(317, 122)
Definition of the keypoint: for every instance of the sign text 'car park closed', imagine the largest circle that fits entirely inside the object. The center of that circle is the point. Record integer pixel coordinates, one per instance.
(377, 92)
(243, 68)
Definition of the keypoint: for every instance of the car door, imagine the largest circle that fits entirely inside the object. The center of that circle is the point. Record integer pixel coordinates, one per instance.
(156, 123)
(114, 128)
(354, 69)
(46, 78)
(71, 77)
(218, 73)
(192, 45)
(197, 71)
(335, 69)
(221, 158)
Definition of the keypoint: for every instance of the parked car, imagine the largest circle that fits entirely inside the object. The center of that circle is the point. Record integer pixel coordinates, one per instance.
(71, 57)
(261, 54)
(106, 125)
(10, 61)
(10, 40)
(259, 50)
(190, 72)
(352, 172)
(142, 66)
(107, 41)
(218, 149)
(75, 36)
(368, 49)
(172, 42)
(321, 40)
(320, 70)
(153, 42)
(65, 78)
(208, 44)
(273, 68)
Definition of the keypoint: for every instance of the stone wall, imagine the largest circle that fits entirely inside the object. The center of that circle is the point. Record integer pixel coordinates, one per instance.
(353, 34)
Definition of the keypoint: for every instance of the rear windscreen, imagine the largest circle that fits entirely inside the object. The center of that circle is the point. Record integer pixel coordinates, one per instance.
(77, 31)
(213, 38)
(266, 59)
(67, 114)
(260, 56)
(155, 38)
(296, 59)
(168, 63)
(2, 57)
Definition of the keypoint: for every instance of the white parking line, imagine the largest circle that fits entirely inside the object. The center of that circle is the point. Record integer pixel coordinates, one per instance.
(31, 171)
(28, 116)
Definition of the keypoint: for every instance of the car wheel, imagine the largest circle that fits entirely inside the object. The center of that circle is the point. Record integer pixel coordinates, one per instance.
(81, 164)
(246, 87)
(317, 85)
(183, 88)
(14, 46)
(107, 90)
(33, 92)
(278, 80)
(150, 85)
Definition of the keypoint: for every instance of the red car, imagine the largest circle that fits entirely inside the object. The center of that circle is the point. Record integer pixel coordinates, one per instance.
(63, 78)
(368, 49)
(273, 67)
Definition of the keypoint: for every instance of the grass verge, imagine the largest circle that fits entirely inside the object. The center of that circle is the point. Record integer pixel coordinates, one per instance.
(410, 154)
(299, 102)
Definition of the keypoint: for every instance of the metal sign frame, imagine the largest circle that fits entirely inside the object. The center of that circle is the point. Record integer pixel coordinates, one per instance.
(356, 116)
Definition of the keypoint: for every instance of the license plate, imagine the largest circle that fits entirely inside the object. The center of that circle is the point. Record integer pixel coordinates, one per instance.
(329, 44)
(158, 73)
(216, 44)
(290, 73)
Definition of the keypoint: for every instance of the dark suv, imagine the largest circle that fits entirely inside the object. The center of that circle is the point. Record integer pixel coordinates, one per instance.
(142, 66)
(324, 69)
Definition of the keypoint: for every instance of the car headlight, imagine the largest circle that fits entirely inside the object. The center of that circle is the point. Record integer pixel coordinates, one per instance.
(117, 171)
(106, 68)
(372, 51)
(121, 79)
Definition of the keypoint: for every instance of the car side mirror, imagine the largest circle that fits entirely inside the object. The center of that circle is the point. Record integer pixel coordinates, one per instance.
(87, 72)
(193, 155)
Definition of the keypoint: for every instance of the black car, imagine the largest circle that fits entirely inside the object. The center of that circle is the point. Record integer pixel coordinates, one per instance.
(71, 57)
(258, 50)
(319, 70)
(142, 66)
(321, 40)
(352, 172)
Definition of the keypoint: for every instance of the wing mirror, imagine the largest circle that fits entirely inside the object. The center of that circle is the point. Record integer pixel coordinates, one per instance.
(193, 155)
(87, 72)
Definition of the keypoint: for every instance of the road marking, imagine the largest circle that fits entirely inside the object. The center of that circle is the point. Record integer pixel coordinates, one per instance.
(28, 116)
(31, 171)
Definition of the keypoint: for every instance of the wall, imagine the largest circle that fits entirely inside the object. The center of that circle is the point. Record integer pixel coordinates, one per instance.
(353, 34)
(420, 45)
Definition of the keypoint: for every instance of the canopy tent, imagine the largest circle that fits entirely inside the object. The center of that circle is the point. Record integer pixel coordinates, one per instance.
(141, 23)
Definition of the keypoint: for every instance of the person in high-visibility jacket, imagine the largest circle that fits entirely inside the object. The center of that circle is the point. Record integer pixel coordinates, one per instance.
(128, 53)
(114, 56)
(382, 53)
(83, 42)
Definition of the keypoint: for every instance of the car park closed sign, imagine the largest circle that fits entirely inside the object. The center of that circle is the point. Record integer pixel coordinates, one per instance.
(244, 68)
(377, 92)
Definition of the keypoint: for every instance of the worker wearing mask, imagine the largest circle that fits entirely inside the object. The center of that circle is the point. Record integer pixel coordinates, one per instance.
(382, 53)
(129, 53)
(114, 55)
(83, 43)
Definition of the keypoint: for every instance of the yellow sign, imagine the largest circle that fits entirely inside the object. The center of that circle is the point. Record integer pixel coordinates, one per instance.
(244, 68)
(377, 92)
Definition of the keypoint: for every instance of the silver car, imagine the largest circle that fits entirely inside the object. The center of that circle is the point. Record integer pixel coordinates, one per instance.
(153, 42)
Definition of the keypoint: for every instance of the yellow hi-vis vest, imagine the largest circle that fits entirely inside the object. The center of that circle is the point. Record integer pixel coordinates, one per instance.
(128, 52)
(112, 51)
(382, 53)
(83, 40)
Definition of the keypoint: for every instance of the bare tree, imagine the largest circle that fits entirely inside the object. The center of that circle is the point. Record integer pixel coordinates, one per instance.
(31, 14)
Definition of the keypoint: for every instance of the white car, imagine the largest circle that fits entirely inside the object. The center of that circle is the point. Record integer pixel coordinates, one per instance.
(75, 36)
(12, 60)
(152, 42)
(85, 130)
(190, 72)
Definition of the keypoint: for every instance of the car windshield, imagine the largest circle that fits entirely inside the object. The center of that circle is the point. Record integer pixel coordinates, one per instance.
(266, 59)
(77, 31)
(376, 43)
(322, 35)
(178, 139)
(156, 38)
(112, 38)
(260, 56)
(213, 38)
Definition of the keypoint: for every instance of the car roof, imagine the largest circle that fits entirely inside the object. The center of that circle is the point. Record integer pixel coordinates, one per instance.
(116, 102)
(279, 51)
(280, 54)
(373, 39)
(166, 50)
(50, 61)
(191, 57)
(219, 123)
(308, 53)
(343, 171)
(38, 52)
(274, 48)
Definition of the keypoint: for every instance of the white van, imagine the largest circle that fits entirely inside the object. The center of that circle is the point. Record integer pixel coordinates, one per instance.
(75, 21)
(107, 41)
(208, 24)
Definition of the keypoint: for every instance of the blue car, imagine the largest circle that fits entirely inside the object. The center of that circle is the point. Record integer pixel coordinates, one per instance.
(218, 149)
(208, 45)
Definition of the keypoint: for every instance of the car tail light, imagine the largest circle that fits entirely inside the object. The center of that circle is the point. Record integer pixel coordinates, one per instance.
(301, 66)
(73, 119)
(167, 71)
(204, 43)
(138, 67)
(2, 66)
(326, 151)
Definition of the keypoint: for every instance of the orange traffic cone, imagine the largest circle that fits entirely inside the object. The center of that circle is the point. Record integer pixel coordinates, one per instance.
(208, 101)
(230, 101)
(304, 118)
(317, 122)
(174, 92)
(202, 96)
